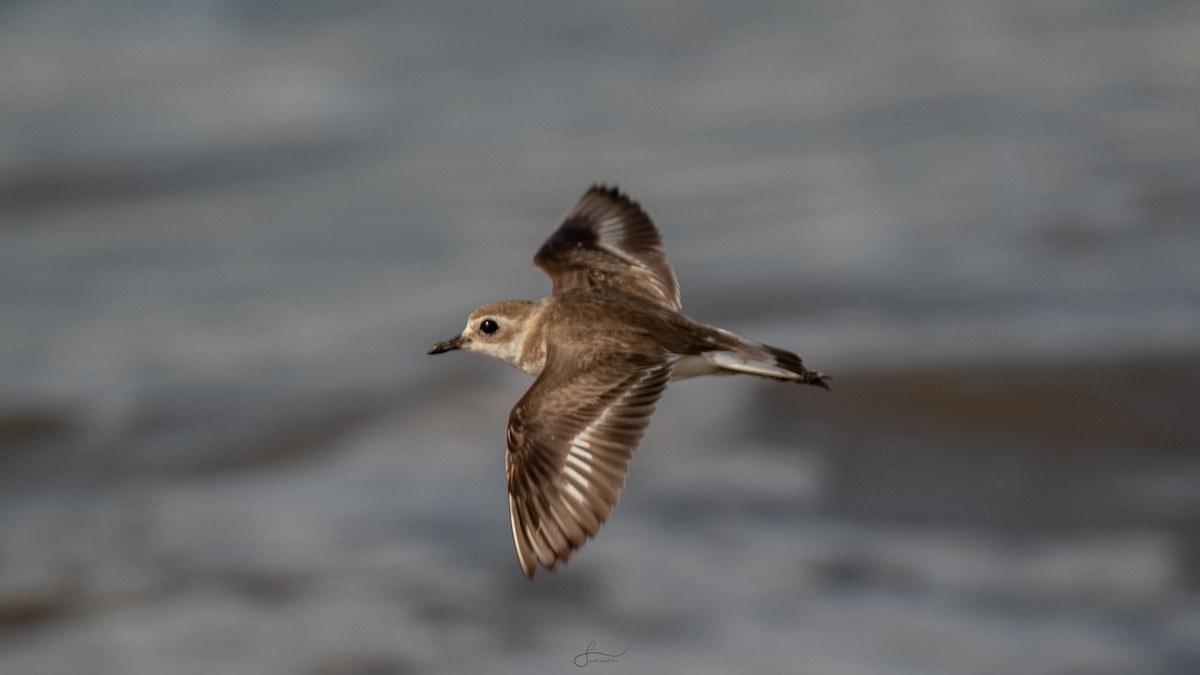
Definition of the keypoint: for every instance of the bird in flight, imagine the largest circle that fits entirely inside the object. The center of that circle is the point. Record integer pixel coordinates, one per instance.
(603, 346)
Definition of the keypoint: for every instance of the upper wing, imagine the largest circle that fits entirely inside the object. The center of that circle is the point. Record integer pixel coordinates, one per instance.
(570, 440)
(607, 240)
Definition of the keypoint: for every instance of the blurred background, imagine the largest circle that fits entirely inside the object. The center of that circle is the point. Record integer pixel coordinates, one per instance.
(229, 230)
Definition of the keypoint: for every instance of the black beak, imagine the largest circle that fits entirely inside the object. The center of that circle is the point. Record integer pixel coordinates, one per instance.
(455, 342)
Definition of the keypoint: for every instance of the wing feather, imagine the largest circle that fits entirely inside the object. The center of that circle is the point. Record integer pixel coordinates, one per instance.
(606, 240)
(566, 461)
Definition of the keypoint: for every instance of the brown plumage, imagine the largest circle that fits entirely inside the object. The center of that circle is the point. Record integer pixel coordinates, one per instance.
(603, 346)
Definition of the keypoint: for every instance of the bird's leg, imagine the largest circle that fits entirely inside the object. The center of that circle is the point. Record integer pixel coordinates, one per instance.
(817, 378)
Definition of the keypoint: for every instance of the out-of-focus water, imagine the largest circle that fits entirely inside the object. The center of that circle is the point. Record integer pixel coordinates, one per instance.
(229, 231)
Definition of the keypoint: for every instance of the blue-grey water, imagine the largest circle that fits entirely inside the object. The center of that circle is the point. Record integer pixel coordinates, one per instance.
(230, 230)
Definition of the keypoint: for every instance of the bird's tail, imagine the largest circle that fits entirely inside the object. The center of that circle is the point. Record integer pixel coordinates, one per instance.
(755, 358)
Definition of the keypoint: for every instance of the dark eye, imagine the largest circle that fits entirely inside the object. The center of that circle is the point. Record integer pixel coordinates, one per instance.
(487, 327)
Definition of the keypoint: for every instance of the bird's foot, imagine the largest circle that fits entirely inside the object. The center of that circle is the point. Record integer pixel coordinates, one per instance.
(816, 378)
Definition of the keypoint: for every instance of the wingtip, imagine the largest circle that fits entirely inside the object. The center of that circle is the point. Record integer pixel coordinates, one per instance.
(608, 188)
(611, 191)
(530, 568)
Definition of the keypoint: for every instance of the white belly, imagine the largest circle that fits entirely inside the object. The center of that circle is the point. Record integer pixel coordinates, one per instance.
(694, 366)
(728, 363)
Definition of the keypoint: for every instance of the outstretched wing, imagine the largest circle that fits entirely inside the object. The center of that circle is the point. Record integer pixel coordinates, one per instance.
(570, 440)
(606, 240)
